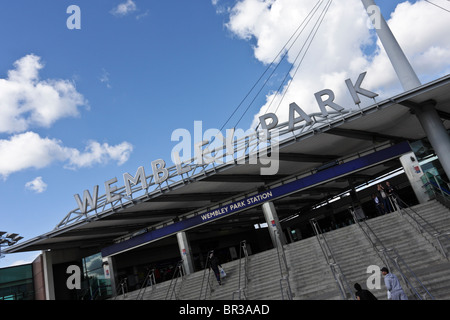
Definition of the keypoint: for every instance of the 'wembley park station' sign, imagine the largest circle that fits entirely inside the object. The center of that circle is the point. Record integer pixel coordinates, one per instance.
(160, 173)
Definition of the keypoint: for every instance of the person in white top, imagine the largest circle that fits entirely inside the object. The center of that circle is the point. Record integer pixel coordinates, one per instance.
(395, 290)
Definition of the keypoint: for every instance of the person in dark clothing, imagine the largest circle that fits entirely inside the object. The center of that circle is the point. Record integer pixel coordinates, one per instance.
(385, 199)
(213, 263)
(362, 294)
(378, 205)
(393, 196)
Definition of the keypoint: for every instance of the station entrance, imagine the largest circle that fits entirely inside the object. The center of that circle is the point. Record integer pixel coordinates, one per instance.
(326, 194)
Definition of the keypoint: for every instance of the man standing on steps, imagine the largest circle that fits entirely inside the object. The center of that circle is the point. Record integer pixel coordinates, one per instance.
(393, 285)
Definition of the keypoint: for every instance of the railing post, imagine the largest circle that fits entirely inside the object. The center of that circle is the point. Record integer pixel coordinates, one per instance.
(242, 251)
(123, 288)
(282, 262)
(178, 270)
(207, 269)
(150, 277)
(331, 261)
(439, 186)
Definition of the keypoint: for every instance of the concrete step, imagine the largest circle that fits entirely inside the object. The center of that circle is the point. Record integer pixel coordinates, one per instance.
(311, 278)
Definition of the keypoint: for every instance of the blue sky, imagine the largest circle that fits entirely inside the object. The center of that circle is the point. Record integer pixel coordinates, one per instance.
(135, 72)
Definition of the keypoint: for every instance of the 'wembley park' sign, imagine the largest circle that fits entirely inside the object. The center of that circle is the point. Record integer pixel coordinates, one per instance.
(160, 173)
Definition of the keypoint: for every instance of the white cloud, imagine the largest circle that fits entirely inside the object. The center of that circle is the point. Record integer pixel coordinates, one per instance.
(142, 15)
(27, 101)
(37, 185)
(220, 8)
(104, 78)
(29, 150)
(96, 153)
(124, 8)
(339, 49)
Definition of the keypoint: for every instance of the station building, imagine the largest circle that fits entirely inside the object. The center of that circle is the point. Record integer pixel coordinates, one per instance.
(263, 188)
(327, 163)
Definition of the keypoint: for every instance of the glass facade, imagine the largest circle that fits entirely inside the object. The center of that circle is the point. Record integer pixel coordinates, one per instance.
(16, 283)
(434, 179)
(428, 159)
(95, 285)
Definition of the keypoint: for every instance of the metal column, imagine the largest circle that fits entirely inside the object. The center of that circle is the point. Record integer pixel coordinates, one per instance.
(48, 275)
(270, 214)
(436, 133)
(426, 113)
(185, 252)
(414, 174)
(109, 272)
(402, 67)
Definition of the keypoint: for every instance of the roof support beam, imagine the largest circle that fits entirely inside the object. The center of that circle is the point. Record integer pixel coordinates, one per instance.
(195, 197)
(242, 178)
(301, 157)
(413, 105)
(364, 135)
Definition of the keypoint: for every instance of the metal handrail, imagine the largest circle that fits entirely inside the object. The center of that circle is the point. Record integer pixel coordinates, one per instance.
(123, 288)
(406, 279)
(422, 225)
(388, 258)
(242, 290)
(369, 236)
(283, 273)
(148, 280)
(208, 283)
(330, 258)
(440, 193)
(178, 273)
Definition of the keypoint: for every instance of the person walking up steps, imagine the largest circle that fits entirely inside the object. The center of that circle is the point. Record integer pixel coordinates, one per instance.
(395, 290)
(213, 263)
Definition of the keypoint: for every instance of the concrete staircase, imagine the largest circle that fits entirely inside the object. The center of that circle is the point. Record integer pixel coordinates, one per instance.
(420, 250)
(354, 254)
(311, 278)
(264, 276)
(214, 291)
(438, 216)
(189, 287)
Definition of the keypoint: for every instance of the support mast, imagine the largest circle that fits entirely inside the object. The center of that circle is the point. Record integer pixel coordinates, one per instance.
(425, 112)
